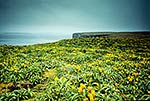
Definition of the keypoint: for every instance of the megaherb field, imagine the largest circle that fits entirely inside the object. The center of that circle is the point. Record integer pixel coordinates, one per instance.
(77, 70)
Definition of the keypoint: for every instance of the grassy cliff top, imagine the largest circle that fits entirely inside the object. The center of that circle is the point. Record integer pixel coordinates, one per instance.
(139, 34)
(77, 69)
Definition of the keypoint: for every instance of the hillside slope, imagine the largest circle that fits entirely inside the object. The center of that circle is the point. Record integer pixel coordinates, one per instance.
(77, 69)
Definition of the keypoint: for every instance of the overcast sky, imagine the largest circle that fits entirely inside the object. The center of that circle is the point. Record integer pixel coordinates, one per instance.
(74, 15)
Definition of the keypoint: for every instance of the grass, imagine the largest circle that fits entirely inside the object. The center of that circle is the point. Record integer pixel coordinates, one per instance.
(77, 69)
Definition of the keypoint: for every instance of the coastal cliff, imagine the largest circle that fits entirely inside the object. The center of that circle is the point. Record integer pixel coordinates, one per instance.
(110, 34)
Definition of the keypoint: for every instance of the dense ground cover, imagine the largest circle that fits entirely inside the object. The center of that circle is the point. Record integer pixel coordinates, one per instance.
(77, 69)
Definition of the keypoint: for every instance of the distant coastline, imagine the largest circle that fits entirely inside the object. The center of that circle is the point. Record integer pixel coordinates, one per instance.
(111, 34)
(20, 38)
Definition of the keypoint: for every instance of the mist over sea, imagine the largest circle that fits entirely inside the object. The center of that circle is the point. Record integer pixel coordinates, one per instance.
(15, 38)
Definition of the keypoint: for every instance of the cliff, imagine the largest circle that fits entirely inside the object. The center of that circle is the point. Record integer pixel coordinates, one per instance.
(110, 34)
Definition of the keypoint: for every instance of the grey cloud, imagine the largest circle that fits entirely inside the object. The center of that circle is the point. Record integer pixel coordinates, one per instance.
(74, 15)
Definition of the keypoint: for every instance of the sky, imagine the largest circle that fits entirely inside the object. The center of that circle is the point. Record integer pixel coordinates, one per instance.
(69, 16)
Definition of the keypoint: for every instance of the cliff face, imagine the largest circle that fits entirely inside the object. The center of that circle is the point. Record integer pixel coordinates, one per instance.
(91, 34)
(110, 34)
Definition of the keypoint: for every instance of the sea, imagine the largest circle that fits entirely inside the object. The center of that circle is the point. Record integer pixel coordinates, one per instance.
(16, 38)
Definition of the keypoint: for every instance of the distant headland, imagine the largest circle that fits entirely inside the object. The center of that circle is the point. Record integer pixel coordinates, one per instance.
(138, 34)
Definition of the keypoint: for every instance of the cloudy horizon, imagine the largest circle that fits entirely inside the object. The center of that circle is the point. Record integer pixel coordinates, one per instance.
(68, 16)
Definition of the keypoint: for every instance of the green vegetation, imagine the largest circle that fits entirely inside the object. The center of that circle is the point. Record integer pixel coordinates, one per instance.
(77, 70)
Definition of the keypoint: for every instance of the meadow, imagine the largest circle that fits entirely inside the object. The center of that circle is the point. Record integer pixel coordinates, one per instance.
(86, 69)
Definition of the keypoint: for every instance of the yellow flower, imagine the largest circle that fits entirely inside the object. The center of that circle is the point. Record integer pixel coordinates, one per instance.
(90, 80)
(89, 88)
(105, 72)
(115, 68)
(78, 68)
(129, 78)
(91, 97)
(11, 69)
(56, 79)
(134, 87)
(86, 99)
(93, 93)
(50, 92)
(105, 85)
(82, 85)
(80, 90)
(100, 70)
(148, 92)
(63, 78)
(116, 84)
(14, 68)
(149, 76)
(135, 74)
(127, 72)
(143, 62)
(137, 79)
(116, 90)
(73, 87)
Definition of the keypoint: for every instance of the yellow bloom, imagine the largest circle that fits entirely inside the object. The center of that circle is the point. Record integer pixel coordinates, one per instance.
(91, 97)
(105, 72)
(73, 87)
(129, 78)
(143, 62)
(93, 93)
(82, 85)
(14, 68)
(80, 90)
(105, 85)
(86, 99)
(137, 79)
(116, 84)
(89, 88)
(100, 70)
(56, 79)
(78, 68)
(134, 87)
(148, 92)
(116, 90)
(115, 68)
(63, 78)
(135, 74)
(11, 69)
(149, 76)
(90, 80)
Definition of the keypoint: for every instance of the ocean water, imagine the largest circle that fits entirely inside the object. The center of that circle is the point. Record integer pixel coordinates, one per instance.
(30, 38)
